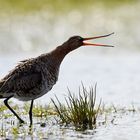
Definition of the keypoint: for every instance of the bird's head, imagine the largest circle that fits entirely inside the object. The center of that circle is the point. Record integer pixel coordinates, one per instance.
(77, 41)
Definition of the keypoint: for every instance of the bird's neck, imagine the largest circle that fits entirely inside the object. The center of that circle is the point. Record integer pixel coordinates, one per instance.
(60, 52)
(56, 56)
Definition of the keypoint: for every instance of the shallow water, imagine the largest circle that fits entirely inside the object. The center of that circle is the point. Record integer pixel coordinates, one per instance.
(126, 126)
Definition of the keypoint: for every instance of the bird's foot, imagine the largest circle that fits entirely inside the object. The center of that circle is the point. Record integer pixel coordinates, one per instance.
(30, 126)
(30, 132)
(21, 121)
(30, 129)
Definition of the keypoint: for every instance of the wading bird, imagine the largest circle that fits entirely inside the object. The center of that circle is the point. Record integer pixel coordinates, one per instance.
(32, 78)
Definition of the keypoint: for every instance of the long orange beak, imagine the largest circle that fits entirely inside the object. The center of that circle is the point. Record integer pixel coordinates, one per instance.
(92, 44)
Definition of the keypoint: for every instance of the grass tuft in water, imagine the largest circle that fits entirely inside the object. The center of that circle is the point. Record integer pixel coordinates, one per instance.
(79, 111)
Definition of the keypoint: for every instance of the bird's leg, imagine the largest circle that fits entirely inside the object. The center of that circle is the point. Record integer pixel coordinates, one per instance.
(6, 103)
(30, 113)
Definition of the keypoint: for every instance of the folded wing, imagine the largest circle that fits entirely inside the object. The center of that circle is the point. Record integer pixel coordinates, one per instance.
(23, 77)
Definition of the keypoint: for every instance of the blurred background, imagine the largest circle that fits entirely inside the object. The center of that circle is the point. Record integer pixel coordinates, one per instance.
(29, 28)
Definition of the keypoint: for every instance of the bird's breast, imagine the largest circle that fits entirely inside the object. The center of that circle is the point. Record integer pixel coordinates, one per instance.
(49, 79)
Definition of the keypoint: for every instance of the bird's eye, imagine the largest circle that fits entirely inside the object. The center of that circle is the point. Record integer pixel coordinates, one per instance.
(80, 38)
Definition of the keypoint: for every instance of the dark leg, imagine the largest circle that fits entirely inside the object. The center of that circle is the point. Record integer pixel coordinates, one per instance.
(6, 103)
(30, 113)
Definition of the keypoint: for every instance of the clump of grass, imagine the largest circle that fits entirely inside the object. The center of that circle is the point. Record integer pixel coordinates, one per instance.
(79, 111)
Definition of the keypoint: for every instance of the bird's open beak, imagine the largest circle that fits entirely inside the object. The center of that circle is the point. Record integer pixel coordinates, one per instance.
(92, 44)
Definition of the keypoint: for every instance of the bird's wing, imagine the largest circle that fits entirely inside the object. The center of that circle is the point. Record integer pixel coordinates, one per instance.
(23, 77)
